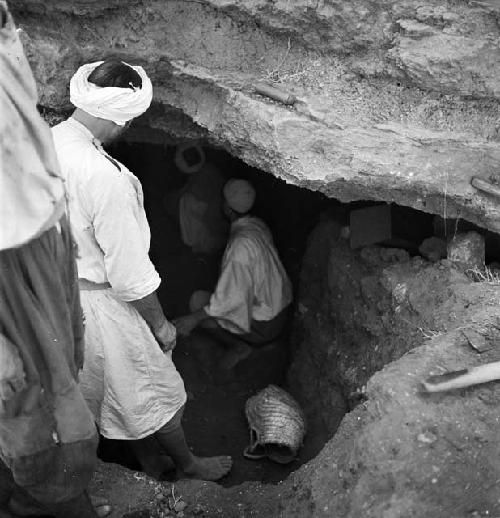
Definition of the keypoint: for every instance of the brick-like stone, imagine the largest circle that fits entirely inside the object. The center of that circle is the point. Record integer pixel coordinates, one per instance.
(433, 249)
(467, 251)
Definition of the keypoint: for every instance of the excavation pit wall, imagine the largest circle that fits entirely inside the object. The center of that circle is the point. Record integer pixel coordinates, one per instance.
(397, 452)
(369, 324)
(359, 310)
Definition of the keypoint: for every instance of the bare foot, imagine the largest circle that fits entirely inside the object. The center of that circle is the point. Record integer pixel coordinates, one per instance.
(209, 468)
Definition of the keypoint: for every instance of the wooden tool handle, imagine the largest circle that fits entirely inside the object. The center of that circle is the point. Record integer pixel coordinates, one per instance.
(463, 378)
(275, 93)
(485, 186)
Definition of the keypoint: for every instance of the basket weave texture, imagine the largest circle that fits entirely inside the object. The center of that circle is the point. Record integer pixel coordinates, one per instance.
(275, 418)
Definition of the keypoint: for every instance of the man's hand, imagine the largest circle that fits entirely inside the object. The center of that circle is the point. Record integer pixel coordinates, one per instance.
(166, 334)
(186, 324)
(12, 375)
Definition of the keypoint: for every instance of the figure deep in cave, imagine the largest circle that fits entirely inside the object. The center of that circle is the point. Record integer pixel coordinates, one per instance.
(196, 206)
(128, 380)
(249, 305)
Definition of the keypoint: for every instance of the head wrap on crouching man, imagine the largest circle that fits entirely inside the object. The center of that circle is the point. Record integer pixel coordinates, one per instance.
(119, 105)
(239, 195)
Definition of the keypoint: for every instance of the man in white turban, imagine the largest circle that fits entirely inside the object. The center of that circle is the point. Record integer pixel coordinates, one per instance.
(249, 304)
(129, 379)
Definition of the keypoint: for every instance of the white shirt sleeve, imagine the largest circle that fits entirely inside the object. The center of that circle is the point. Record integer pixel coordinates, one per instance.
(115, 218)
(231, 303)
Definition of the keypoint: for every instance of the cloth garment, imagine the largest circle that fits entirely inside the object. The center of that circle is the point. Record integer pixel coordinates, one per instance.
(239, 195)
(174, 423)
(264, 331)
(253, 284)
(107, 214)
(131, 386)
(119, 105)
(48, 437)
(22, 504)
(261, 331)
(7, 484)
(203, 226)
(31, 189)
(12, 376)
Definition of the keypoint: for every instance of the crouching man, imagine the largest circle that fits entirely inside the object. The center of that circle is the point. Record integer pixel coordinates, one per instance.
(249, 305)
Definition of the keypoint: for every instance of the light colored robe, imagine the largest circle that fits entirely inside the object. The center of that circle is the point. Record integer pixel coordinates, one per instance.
(132, 388)
(31, 189)
(253, 284)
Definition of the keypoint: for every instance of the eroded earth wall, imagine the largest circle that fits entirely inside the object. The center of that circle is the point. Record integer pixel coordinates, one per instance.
(398, 100)
(358, 310)
(399, 452)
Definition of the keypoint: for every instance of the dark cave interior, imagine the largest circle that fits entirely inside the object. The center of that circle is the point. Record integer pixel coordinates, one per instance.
(214, 420)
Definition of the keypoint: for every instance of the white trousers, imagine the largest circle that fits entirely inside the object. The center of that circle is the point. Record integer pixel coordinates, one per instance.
(130, 385)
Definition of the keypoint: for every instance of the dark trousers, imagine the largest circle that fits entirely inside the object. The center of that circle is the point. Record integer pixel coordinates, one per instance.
(48, 439)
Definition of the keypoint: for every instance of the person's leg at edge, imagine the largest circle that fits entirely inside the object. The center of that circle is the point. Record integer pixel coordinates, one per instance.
(151, 457)
(172, 439)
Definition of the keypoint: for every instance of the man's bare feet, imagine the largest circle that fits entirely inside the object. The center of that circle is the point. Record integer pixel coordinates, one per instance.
(209, 468)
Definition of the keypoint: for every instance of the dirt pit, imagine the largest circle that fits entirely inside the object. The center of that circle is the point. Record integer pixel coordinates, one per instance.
(214, 419)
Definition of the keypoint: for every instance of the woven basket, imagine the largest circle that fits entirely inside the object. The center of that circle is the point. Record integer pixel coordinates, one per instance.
(277, 425)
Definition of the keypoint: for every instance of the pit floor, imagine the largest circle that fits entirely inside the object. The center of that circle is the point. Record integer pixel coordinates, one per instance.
(214, 419)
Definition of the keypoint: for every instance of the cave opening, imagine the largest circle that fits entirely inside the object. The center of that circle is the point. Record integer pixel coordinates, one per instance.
(214, 420)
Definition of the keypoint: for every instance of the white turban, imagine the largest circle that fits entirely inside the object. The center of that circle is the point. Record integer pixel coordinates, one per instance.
(239, 195)
(119, 105)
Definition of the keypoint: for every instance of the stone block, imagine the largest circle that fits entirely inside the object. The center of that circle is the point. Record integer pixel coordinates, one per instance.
(467, 251)
(433, 249)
